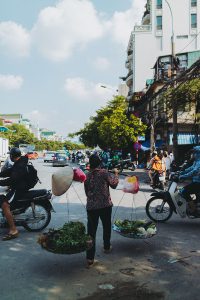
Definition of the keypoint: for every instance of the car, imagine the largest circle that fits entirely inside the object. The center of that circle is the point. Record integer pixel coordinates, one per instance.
(60, 160)
(49, 156)
(31, 155)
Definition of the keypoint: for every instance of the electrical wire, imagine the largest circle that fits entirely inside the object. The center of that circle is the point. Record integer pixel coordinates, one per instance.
(190, 42)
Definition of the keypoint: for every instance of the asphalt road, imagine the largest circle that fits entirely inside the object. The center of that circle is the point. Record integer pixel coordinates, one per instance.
(168, 263)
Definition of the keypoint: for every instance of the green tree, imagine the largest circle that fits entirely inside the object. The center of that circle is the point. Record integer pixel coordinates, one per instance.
(110, 127)
(19, 134)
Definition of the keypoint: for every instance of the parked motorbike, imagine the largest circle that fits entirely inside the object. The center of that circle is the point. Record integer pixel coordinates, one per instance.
(114, 164)
(163, 204)
(128, 164)
(33, 211)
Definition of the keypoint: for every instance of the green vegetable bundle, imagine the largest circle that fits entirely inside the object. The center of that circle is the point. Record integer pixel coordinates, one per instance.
(69, 239)
(135, 229)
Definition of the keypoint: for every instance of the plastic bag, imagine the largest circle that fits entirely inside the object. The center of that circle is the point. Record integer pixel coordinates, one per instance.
(79, 175)
(131, 185)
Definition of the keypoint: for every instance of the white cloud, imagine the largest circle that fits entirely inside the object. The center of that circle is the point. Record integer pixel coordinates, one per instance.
(102, 63)
(87, 91)
(64, 28)
(37, 117)
(14, 39)
(122, 23)
(10, 82)
(67, 27)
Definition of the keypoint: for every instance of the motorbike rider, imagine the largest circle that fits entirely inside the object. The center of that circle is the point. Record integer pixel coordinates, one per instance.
(194, 173)
(16, 180)
(104, 158)
(156, 166)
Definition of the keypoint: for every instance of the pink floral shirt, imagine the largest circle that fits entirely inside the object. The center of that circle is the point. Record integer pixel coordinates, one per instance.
(97, 186)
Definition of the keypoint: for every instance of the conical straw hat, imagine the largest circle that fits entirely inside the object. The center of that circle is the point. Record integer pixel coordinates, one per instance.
(61, 180)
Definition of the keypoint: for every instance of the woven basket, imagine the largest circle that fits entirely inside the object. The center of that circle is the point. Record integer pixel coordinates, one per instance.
(46, 245)
(132, 235)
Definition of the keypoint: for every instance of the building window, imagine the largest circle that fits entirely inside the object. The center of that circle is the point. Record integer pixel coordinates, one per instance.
(182, 36)
(159, 4)
(194, 20)
(193, 3)
(159, 22)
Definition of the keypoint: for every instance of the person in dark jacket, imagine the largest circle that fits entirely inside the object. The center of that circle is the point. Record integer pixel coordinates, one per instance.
(99, 204)
(16, 180)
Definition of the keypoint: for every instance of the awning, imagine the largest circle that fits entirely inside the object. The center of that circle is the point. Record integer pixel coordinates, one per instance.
(184, 139)
(146, 144)
(3, 129)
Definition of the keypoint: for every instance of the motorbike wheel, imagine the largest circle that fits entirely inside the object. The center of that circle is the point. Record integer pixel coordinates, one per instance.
(132, 168)
(158, 210)
(39, 221)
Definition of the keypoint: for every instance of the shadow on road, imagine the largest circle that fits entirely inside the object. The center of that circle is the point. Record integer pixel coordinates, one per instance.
(44, 275)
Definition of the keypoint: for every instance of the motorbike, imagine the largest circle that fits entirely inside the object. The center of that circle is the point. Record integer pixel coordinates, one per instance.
(32, 211)
(158, 180)
(120, 165)
(112, 164)
(163, 204)
(128, 164)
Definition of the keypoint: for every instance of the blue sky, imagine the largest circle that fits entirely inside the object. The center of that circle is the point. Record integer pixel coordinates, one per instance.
(55, 54)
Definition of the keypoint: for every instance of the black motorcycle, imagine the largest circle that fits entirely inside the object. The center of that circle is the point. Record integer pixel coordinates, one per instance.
(32, 211)
(128, 164)
(158, 180)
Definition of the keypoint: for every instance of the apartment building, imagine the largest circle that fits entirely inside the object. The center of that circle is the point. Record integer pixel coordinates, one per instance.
(162, 19)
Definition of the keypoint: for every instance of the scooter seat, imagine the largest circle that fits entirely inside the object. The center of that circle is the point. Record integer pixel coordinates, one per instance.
(34, 194)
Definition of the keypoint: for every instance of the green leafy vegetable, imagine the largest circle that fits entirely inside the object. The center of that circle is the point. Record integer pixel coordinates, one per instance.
(69, 239)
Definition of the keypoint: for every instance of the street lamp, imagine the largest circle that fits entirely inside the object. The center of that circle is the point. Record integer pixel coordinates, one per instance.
(109, 88)
(174, 102)
(172, 37)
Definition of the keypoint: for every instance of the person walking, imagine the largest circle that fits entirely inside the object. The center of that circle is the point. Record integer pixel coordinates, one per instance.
(99, 204)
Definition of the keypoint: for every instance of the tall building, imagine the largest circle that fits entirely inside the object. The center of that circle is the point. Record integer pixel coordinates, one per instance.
(152, 39)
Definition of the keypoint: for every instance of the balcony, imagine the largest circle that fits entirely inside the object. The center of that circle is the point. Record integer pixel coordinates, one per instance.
(129, 79)
(142, 28)
(127, 64)
(146, 19)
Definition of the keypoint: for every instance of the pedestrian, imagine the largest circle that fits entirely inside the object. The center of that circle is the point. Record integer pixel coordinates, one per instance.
(167, 160)
(99, 204)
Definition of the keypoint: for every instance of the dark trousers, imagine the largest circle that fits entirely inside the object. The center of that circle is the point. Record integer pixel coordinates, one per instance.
(18, 195)
(93, 219)
(192, 188)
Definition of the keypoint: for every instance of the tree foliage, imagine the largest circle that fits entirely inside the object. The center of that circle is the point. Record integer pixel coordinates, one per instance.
(19, 134)
(110, 127)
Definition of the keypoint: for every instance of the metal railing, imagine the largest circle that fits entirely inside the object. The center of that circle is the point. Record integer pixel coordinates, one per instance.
(142, 28)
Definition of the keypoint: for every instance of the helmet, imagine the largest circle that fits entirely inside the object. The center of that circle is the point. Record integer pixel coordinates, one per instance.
(196, 152)
(15, 152)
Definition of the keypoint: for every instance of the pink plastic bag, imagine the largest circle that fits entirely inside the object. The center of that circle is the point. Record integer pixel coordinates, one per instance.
(79, 175)
(131, 185)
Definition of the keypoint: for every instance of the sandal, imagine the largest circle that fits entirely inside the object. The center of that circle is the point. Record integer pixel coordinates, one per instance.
(107, 251)
(10, 236)
(90, 262)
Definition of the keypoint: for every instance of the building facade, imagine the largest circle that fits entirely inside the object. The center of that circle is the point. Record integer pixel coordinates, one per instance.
(9, 119)
(153, 38)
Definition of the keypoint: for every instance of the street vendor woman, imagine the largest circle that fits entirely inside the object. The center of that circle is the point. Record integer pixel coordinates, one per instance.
(99, 204)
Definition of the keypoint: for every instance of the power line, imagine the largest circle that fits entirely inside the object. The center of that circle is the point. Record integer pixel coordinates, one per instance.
(190, 42)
